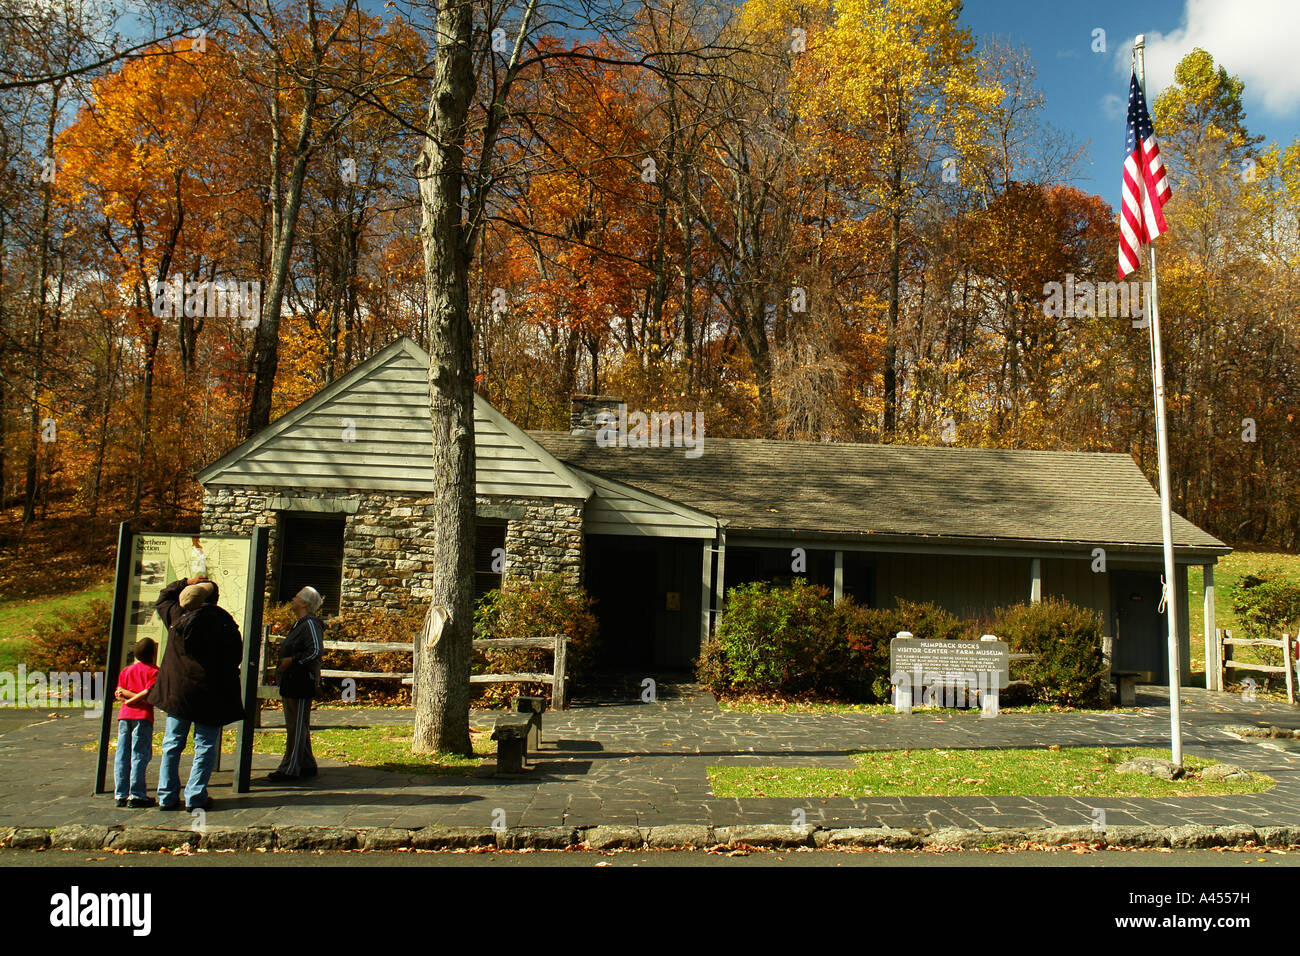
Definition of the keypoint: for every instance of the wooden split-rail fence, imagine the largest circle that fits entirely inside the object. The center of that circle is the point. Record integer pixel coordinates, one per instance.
(1226, 642)
(557, 644)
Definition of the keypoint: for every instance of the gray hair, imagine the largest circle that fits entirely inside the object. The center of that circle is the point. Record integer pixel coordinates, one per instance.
(311, 597)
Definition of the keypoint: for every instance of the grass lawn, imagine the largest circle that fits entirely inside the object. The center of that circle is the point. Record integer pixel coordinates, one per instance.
(1227, 576)
(379, 748)
(1068, 772)
(19, 616)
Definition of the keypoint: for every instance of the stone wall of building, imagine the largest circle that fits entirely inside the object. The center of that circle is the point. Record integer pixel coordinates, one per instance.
(229, 510)
(388, 537)
(547, 538)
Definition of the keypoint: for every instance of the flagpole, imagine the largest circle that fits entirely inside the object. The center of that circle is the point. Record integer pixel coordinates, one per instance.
(1162, 444)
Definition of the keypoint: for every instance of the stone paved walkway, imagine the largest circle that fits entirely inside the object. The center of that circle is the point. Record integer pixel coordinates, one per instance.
(618, 761)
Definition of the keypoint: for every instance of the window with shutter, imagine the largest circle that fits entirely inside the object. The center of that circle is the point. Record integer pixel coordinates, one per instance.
(489, 553)
(311, 555)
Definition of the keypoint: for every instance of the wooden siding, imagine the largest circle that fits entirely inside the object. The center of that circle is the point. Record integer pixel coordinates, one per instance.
(965, 586)
(617, 509)
(386, 401)
(976, 586)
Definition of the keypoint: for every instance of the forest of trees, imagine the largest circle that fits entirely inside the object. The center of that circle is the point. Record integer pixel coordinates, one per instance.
(830, 222)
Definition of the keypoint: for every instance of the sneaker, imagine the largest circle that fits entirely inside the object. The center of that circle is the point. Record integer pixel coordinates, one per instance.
(141, 803)
(121, 801)
(169, 806)
(205, 803)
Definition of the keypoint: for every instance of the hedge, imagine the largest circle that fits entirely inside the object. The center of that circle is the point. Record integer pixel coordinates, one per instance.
(794, 641)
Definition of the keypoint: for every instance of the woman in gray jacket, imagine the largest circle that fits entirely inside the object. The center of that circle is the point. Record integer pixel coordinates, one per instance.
(300, 657)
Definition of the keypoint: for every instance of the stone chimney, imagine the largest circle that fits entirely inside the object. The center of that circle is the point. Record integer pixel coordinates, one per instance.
(585, 408)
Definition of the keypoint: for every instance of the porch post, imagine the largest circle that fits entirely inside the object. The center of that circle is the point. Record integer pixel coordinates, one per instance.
(1211, 646)
(838, 590)
(722, 566)
(1035, 580)
(706, 591)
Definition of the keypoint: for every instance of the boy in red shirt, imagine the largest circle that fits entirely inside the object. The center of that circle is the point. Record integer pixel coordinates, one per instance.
(135, 726)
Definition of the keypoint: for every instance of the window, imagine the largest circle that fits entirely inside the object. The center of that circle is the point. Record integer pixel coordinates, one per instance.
(489, 554)
(310, 547)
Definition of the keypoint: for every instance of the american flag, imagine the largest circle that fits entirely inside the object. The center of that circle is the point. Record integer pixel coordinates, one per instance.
(1146, 187)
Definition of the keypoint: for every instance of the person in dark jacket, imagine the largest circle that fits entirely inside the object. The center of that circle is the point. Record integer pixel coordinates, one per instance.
(197, 686)
(300, 657)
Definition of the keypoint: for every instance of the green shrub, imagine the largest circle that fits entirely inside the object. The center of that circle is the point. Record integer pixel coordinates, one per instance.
(711, 667)
(930, 622)
(867, 632)
(1068, 666)
(777, 639)
(539, 608)
(1267, 609)
(75, 640)
(792, 640)
(279, 617)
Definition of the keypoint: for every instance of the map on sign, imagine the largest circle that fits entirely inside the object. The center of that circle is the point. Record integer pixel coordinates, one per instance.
(159, 559)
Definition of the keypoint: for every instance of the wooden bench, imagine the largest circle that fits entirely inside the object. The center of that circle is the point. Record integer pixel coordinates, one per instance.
(1126, 685)
(531, 707)
(511, 734)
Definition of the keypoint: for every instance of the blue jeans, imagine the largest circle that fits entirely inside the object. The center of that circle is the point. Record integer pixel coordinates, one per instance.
(207, 738)
(134, 751)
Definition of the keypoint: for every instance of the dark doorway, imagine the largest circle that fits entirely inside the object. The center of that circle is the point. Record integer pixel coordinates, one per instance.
(489, 556)
(647, 593)
(1141, 630)
(310, 547)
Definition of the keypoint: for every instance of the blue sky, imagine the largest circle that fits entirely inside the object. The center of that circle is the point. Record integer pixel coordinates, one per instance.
(1258, 40)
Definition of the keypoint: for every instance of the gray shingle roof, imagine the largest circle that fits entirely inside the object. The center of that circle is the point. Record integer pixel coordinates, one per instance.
(811, 487)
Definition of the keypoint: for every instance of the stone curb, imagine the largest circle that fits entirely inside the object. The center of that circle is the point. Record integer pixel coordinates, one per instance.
(760, 836)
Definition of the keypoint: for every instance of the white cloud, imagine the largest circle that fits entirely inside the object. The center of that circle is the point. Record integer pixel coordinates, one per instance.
(1114, 106)
(1254, 40)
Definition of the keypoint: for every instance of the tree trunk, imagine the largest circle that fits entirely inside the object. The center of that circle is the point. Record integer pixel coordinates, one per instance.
(442, 677)
(4, 370)
(891, 323)
(38, 336)
(146, 412)
(266, 344)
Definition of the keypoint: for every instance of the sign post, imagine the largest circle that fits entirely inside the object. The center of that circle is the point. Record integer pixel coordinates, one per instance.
(116, 637)
(252, 625)
(945, 671)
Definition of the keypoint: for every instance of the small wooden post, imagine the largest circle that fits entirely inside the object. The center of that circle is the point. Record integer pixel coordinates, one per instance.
(1108, 655)
(1218, 658)
(264, 649)
(558, 693)
(416, 646)
(1286, 662)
